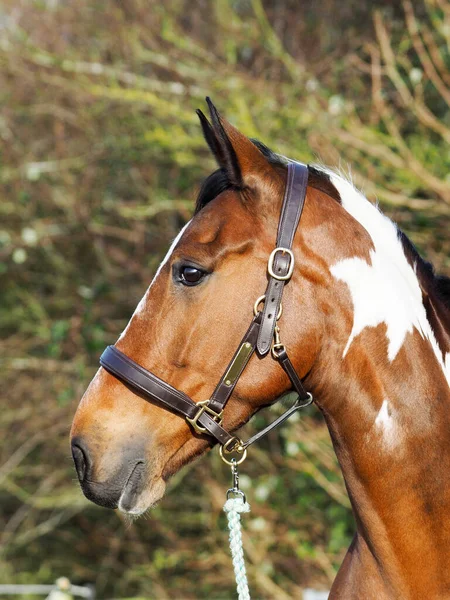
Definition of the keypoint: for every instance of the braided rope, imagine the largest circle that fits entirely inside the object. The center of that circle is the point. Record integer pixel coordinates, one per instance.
(233, 507)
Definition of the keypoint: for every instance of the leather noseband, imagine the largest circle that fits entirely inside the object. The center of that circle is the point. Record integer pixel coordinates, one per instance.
(263, 334)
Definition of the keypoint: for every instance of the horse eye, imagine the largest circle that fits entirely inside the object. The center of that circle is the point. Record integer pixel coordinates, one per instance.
(191, 275)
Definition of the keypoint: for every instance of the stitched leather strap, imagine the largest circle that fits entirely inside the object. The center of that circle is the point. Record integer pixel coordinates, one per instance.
(153, 388)
(298, 405)
(288, 367)
(224, 389)
(294, 200)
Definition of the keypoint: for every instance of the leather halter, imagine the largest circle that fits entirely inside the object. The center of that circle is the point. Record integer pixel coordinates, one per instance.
(263, 334)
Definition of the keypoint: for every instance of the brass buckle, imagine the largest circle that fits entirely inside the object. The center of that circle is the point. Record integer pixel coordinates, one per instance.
(203, 407)
(291, 264)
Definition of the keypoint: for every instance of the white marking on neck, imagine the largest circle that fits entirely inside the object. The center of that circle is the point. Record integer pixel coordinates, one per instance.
(386, 425)
(387, 290)
(140, 306)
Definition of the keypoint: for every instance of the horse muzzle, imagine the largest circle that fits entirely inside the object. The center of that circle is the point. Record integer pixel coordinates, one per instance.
(122, 487)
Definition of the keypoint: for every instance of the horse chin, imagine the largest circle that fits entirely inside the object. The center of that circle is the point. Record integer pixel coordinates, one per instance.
(188, 452)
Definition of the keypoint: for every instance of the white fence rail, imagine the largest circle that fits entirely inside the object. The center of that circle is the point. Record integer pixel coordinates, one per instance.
(309, 594)
(62, 589)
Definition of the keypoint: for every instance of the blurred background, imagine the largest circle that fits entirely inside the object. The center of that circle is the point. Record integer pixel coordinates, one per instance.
(101, 158)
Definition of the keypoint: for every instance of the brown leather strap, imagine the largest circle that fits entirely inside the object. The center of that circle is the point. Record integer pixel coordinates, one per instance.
(225, 387)
(294, 199)
(298, 405)
(125, 369)
(288, 367)
(152, 388)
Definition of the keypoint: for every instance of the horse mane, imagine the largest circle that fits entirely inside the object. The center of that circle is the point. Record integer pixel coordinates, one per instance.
(219, 181)
(436, 286)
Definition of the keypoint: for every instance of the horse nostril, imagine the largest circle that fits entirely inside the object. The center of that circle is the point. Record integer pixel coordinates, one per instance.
(81, 460)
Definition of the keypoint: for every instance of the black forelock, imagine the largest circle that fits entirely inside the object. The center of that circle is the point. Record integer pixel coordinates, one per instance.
(212, 186)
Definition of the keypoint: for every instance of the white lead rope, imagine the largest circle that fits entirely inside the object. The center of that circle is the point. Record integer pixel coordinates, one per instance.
(236, 504)
(233, 508)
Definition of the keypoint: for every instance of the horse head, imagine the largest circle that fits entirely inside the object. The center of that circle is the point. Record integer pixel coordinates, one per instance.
(189, 322)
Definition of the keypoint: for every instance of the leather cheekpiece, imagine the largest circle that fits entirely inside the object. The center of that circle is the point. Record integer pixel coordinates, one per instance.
(294, 200)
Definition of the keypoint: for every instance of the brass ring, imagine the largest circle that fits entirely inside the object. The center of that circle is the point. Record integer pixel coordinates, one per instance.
(234, 461)
(262, 299)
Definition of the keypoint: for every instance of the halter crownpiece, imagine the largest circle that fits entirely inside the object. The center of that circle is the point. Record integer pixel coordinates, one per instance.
(206, 417)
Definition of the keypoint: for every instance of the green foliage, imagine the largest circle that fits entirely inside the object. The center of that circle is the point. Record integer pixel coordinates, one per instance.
(101, 160)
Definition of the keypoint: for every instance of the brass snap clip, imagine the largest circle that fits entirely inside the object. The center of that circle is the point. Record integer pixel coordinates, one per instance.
(235, 491)
(277, 346)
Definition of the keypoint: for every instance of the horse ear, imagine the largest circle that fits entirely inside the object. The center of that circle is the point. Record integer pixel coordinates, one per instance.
(234, 152)
(211, 139)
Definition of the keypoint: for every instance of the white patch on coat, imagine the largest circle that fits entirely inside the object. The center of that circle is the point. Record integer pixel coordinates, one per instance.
(387, 290)
(140, 306)
(386, 426)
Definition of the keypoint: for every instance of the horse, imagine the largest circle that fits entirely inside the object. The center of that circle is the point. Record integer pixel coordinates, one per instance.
(367, 324)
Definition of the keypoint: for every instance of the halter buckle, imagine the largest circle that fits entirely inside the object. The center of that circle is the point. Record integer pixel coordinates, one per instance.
(270, 264)
(204, 408)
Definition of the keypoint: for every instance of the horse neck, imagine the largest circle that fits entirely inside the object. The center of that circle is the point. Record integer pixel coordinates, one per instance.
(381, 378)
(389, 421)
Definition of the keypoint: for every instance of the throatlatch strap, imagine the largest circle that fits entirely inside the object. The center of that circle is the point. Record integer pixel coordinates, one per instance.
(290, 371)
(281, 261)
(298, 405)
